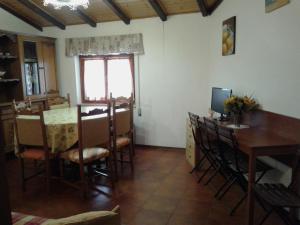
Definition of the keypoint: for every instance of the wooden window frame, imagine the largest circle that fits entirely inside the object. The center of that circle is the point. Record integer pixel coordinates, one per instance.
(82, 60)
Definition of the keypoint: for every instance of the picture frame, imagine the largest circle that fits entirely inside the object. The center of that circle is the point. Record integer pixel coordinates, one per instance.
(229, 36)
(272, 5)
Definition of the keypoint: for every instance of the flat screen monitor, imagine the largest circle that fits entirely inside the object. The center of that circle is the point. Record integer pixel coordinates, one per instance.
(219, 95)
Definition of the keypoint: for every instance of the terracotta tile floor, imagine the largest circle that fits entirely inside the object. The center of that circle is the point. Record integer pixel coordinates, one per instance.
(160, 192)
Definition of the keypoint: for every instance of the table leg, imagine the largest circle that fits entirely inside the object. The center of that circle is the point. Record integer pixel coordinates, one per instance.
(251, 182)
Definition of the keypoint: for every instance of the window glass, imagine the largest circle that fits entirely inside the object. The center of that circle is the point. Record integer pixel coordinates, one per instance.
(119, 77)
(94, 80)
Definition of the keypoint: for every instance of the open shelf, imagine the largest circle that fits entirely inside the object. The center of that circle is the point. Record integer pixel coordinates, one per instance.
(6, 58)
(9, 81)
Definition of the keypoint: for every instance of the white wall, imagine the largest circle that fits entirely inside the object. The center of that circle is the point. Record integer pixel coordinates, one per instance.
(8, 22)
(266, 63)
(173, 72)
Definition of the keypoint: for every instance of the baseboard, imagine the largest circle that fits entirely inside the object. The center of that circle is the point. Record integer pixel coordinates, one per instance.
(158, 147)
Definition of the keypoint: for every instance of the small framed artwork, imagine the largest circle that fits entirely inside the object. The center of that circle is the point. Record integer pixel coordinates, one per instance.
(272, 5)
(228, 36)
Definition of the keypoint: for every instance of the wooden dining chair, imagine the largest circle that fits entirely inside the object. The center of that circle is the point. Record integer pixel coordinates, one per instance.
(23, 107)
(33, 146)
(94, 147)
(123, 132)
(55, 101)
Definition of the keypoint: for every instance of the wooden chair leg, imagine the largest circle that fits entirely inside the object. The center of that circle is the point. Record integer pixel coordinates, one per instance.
(131, 156)
(47, 162)
(111, 172)
(23, 174)
(122, 160)
(115, 162)
(133, 147)
(61, 169)
(35, 163)
(83, 181)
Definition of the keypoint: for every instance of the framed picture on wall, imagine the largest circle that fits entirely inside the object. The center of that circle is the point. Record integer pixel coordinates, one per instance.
(228, 36)
(272, 5)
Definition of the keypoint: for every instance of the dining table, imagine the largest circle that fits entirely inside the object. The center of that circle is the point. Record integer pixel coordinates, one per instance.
(256, 142)
(61, 127)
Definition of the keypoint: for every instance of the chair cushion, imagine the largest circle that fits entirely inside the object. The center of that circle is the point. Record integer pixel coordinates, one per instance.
(122, 142)
(89, 218)
(36, 154)
(22, 219)
(89, 154)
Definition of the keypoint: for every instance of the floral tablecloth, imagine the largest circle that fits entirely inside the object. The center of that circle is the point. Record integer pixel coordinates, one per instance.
(62, 132)
(61, 124)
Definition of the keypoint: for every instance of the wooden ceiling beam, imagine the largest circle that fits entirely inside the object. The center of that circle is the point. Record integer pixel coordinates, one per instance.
(214, 6)
(32, 6)
(203, 7)
(158, 9)
(18, 15)
(117, 11)
(86, 18)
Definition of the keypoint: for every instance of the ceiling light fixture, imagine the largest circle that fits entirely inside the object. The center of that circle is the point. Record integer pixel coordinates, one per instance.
(72, 4)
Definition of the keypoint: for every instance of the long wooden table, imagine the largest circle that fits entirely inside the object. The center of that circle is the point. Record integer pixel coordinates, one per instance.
(270, 134)
(257, 142)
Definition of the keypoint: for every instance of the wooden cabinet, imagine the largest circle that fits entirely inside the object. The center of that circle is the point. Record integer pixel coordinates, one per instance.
(29, 63)
(10, 74)
(7, 121)
(37, 57)
(48, 54)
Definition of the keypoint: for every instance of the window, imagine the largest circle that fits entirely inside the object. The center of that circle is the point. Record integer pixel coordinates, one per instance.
(102, 75)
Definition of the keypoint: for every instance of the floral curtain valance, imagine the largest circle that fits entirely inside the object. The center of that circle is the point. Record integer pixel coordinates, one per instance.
(105, 45)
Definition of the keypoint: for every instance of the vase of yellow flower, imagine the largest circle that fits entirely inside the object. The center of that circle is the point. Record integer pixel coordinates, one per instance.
(237, 105)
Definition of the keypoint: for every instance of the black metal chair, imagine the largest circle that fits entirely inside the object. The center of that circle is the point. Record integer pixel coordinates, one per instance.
(236, 163)
(210, 145)
(220, 155)
(276, 198)
(201, 144)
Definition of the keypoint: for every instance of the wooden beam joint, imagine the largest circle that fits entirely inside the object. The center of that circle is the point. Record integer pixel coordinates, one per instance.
(158, 9)
(203, 7)
(214, 6)
(117, 11)
(207, 11)
(86, 18)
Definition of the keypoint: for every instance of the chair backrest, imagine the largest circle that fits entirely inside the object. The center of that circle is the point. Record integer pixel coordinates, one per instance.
(226, 135)
(94, 126)
(22, 107)
(194, 120)
(123, 117)
(228, 142)
(205, 137)
(55, 101)
(211, 128)
(31, 130)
